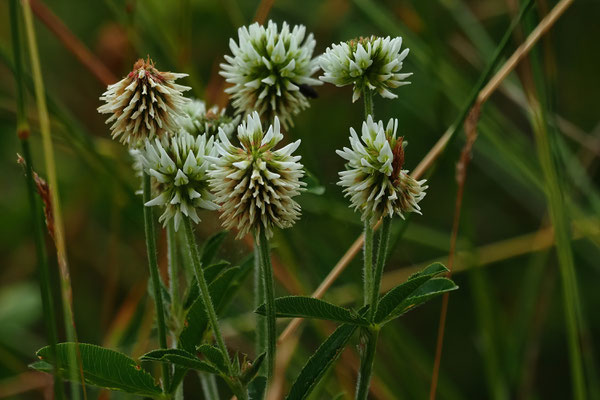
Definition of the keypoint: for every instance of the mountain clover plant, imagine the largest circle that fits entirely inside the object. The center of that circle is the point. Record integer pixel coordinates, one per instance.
(193, 159)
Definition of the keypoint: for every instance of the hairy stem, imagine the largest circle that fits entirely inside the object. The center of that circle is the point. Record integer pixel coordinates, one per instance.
(368, 262)
(384, 239)
(368, 99)
(155, 277)
(204, 292)
(259, 299)
(267, 273)
(370, 337)
(173, 269)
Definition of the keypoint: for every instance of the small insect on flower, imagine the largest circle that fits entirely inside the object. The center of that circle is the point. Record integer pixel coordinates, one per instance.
(271, 71)
(371, 63)
(179, 167)
(255, 184)
(374, 179)
(197, 120)
(144, 104)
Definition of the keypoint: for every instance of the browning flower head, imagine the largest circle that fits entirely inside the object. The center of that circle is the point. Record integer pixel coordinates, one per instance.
(374, 179)
(271, 70)
(179, 168)
(255, 184)
(371, 63)
(144, 104)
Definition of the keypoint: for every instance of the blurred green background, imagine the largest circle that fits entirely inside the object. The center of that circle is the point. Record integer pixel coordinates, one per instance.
(505, 334)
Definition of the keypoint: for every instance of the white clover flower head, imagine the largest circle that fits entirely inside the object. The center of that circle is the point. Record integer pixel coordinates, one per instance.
(374, 179)
(179, 168)
(255, 184)
(197, 120)
(144, 104)
(271, 70)
(371, 63)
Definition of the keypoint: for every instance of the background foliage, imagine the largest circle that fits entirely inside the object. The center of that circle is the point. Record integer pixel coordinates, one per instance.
(505, 335)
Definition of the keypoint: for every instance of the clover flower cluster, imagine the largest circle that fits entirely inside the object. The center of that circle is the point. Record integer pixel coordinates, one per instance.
(197, 120)
(374, 179)
(186, 147)
(271, 71)
(174, 140)
(144, 104)
(371, 63)
(254, 183)
(180, 167)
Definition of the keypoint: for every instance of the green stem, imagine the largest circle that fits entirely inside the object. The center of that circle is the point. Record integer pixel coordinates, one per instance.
(384, 238)
(267, 272)
(204, 292)
(259, 299)
(75, 363)
(368, 99)
(155, 277)
(44, 272)
(371, 281)
(35, 207)
(368, 261)
(173, 269)
(563, 247)
(366, 363)
(372, 333)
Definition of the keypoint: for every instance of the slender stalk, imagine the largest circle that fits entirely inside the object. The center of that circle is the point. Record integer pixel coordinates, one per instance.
(173, 269)
(368, 262)
(259, 299)
(368, 100)
(35, 207)
(44, 272)
(267, 272)
(372, 333)
(372, 282)
(155, 277)
(58, 227)
(563, 247)
(366, 363)
(368, 232)
(461, 177)
(204, 292)
(384, 239)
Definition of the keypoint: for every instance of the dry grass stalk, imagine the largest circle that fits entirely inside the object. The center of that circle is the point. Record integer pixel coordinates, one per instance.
(461, 177)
